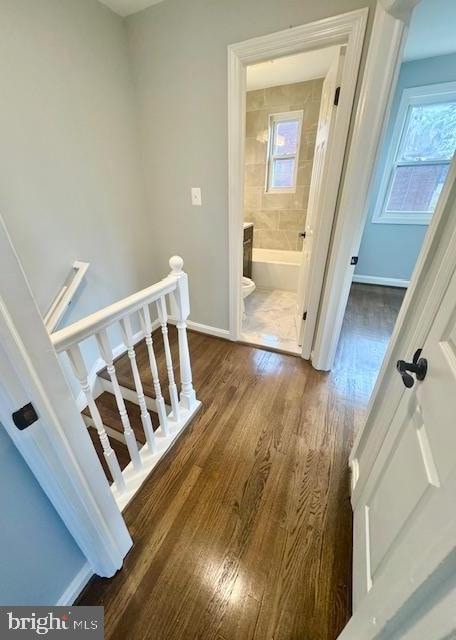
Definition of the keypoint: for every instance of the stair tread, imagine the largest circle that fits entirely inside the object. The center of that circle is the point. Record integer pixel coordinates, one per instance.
(120, 449)
(107, 406)
(123, 366)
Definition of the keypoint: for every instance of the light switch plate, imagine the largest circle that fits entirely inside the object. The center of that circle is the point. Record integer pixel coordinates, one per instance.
(196, 197)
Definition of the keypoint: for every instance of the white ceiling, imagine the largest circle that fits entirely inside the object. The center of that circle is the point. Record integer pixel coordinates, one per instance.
(126, 7)
(296, 68)
(432, 30)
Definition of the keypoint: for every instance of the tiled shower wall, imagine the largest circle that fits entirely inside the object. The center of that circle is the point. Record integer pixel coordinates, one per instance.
(279, 218)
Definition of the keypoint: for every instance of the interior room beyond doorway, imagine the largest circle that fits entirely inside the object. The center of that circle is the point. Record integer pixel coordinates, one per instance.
(282, 114)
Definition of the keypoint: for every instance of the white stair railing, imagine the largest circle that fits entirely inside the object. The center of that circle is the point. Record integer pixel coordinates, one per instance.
(105, 349)
(146, 325)
(173, 419)
(65, 296)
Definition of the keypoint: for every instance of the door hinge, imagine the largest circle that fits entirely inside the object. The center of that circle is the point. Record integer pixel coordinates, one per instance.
(25, 416)
(336, 96)
(304, 315)
(302, 234)
(354, 260)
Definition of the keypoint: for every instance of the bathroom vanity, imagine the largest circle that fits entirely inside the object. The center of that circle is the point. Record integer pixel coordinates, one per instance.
(247, 254)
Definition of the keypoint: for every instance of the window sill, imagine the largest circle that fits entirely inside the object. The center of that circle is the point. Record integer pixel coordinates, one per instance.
(400, 218)
(271, 192)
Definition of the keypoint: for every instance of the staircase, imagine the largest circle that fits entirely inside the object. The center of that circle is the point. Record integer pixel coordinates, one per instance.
(135, 410)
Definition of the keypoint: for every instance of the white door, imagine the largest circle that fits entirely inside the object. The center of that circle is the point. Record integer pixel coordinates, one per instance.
(325, 134)
(405, 517)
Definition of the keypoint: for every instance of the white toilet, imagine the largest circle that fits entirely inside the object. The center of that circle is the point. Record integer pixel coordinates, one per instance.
(248, 287)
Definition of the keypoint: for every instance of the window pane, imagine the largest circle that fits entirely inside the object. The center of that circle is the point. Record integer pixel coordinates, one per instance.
(282, 173)
(430, 133)
(286, 137)
(417, 188)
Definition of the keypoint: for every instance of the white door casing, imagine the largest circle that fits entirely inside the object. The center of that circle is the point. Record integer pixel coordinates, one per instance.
(344, 29)
(56, 447)
(381, 70)
(404, 494)
(326, 168)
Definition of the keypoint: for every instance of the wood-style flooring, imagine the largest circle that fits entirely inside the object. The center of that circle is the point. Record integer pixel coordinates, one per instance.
(244, 530)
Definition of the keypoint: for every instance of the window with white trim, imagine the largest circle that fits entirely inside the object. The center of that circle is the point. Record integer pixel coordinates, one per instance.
(283, 151)
(422, 147)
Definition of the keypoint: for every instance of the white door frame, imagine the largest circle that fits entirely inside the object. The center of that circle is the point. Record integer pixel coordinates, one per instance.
(379, 83)
(434, 564)
(56, 447)
(349, 29)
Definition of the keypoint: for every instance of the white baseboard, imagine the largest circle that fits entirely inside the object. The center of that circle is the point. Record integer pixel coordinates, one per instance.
(204, 328)
(385, 282)
(211, 331)
(75, 587)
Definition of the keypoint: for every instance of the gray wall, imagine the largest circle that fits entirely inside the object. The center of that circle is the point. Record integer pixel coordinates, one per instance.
(179, 58)
(391, 250)
(71, 181)
(38, 556)
(71, 187)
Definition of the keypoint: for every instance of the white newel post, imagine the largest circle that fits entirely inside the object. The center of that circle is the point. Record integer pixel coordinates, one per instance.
(181, 310)
(80, 371)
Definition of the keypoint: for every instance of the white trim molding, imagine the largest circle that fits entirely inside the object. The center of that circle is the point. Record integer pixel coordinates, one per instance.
(74, 589)
(344, 29)
(210, 331)
(384, 282)
(374, 105)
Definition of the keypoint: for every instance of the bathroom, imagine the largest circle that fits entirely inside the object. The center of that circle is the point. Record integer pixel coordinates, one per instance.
(282, 112)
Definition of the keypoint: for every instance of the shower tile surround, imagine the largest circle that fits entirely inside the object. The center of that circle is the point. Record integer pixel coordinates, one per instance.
(279, 217)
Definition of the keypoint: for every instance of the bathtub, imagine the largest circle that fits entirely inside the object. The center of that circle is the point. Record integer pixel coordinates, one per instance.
(276, 269)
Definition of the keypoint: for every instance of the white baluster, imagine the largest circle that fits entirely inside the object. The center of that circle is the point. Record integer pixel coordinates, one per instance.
(79, 368)
(127, 333)
(163, 317)
(146, 325)
(181, 309)
(130, 438)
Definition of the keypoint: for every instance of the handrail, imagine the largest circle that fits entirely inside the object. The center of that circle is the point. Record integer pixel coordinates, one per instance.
(174, 415)
(65, 296)
(99, 320)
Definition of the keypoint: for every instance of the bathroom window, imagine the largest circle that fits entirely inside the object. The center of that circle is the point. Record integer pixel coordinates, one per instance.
(283, 151)
(422, 146)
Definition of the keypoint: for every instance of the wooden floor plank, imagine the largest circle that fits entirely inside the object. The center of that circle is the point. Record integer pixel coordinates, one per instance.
(244, 530)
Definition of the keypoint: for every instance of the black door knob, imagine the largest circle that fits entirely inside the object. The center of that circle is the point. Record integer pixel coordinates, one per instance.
(419, 367)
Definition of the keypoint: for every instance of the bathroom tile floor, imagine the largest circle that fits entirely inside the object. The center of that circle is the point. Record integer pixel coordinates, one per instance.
(269, 319)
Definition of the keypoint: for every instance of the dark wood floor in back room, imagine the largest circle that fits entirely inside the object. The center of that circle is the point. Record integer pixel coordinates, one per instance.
(244, 531)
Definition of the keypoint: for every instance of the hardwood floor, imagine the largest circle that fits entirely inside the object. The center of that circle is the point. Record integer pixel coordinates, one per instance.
(244, 530)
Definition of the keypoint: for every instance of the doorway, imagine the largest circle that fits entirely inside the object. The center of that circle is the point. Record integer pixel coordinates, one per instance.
(411, 168)
(283, 113)
(288, 127)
